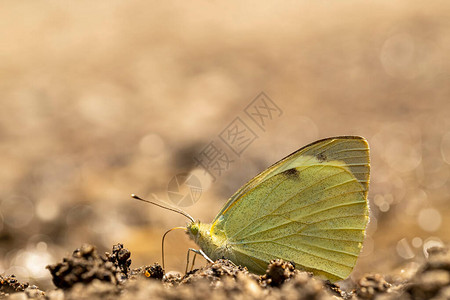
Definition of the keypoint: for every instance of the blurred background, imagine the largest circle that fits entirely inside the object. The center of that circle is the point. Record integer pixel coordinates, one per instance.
(99, 100)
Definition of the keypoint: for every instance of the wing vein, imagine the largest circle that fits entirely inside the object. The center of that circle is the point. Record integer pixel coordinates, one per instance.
(323, 220)
(336, 206)
(315, 255)
(300, 263)
(286, 200)
(294, 234)
(299, 221)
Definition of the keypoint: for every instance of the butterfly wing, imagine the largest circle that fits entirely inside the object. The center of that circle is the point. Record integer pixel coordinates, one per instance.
(351, 150)
(309, 208)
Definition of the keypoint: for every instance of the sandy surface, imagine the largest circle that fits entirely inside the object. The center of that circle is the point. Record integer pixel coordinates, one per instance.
(87, 275)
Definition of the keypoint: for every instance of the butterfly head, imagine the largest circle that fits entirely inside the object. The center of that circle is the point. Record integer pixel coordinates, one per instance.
(193, 230)
(198, 231)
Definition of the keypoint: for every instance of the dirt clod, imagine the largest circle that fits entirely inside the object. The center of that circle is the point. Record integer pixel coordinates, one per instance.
(120, 257)
(214, 272)
(371, 285)
(10, 284)
(85, 265)
(432, 280)
(277, 273)
(87, 275)
(154, 271)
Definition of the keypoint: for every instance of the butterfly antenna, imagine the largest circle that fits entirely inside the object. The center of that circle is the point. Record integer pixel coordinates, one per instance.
(177, 210)
(162, 244)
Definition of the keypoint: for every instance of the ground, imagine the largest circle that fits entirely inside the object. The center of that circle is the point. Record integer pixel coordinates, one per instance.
(87, 275)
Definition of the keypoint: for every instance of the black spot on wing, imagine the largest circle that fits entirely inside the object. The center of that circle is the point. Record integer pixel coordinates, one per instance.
(321, 157)
(291, 173)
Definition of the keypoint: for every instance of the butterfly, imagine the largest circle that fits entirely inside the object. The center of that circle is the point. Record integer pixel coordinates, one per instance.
(309, 208)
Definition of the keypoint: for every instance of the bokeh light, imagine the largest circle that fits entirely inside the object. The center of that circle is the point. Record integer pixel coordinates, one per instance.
(152, 145)
(404, 249)
(18, 211)
(429, 219)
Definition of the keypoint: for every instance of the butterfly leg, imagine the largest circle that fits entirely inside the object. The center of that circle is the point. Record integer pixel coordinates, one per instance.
(195, 254)
(187, 259)
(193, 262)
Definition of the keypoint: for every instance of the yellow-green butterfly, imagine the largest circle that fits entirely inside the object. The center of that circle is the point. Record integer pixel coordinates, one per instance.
(309, 208)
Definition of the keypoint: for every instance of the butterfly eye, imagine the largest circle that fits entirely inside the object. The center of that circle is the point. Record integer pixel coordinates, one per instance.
(194, 229)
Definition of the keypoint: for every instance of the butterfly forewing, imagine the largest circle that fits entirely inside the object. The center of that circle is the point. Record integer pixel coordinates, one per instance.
(353, 151)
(309, 208)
